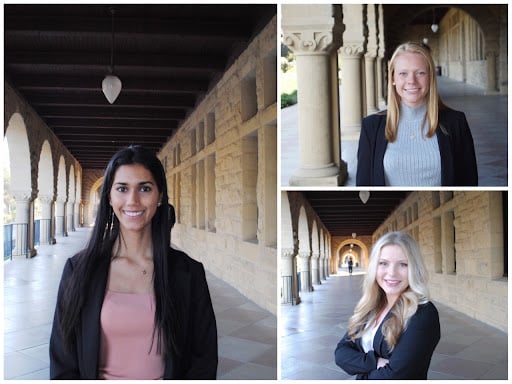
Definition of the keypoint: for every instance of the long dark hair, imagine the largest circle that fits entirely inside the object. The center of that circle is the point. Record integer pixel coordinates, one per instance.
(98, 253)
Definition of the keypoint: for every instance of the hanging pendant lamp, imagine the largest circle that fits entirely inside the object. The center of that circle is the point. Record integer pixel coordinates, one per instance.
(434, 27)
(364, 196)
(111, 84)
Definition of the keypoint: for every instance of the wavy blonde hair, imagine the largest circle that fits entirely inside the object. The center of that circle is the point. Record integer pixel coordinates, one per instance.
(433, 100)
(374, 300)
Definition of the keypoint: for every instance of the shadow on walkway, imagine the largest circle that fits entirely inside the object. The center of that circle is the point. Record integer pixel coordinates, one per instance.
(247, 334)
(310, 331)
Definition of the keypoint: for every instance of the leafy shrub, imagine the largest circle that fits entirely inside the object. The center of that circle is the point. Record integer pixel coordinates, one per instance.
(288, 99)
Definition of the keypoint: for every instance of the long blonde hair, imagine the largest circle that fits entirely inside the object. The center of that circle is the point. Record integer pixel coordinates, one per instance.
(374, 300)
(433, 100)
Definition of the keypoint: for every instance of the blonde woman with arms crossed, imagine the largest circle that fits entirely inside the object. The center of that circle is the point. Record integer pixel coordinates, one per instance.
(395, 328)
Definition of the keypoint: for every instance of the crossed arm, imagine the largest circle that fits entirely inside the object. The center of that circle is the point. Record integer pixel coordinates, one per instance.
(410, 358)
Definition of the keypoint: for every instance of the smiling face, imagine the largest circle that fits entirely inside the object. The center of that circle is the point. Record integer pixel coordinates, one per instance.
(392, 271)
(411, 78)
(134, 197)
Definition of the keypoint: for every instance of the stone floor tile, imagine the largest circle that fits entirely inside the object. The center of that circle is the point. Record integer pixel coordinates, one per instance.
(18, 364)
(251, 371)
(255, 332)
(242, 350)
(268, 358)
(467, 369)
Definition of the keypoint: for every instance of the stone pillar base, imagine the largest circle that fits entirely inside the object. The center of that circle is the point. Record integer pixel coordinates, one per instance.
(330, 175)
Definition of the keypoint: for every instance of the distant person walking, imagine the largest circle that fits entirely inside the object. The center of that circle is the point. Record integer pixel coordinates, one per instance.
(350, 265)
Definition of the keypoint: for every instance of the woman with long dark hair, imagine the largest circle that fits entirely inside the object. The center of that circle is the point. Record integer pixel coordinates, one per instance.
(129, 306)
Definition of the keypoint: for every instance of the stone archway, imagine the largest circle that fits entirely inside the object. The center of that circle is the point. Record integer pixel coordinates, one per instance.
(304, 252)
(94, 200)
(45, 195)
(70, 206)
(288, 284)
(363, 257)
(488, 19)
(78, 213)
(60, 203)
(20, 186)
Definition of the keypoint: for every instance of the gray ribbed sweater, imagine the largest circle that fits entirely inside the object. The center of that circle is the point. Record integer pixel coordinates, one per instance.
(412, 159)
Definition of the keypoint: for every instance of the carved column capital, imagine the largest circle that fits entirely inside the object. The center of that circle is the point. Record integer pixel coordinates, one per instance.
(22, 196)
(309, 42)
(354, 50)
(304, 255)
(287, 253)
(45, 199)
(371, 53)
(61, 200)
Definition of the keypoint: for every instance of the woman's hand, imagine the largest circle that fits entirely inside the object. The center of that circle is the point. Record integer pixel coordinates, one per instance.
(381, 362)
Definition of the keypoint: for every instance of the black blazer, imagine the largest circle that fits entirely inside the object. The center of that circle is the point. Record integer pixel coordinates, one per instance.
(458, 160)
(199, 358)
(409, 359)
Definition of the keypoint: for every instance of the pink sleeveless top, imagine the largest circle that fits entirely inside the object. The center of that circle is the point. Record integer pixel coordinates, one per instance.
(127, 321)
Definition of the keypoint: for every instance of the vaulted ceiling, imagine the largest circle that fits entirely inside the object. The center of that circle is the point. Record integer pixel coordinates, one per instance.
(167, 56)
(343, 212)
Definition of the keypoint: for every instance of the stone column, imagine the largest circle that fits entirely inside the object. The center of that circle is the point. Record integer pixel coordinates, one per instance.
(492, 88)
(305, 272)
(21, 236)
(87, 212)
(45, 229)
(311, 33)
(60, 216)
(325, 257)
(381, 67)
(369, 63)
(381, 102)
(315, 272)
(289, 293)
(321, 263)
(350, 56)
(76, 214)
(369, 59)
(70, 221)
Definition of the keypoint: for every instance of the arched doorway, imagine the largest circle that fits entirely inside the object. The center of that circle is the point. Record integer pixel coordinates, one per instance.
(351, 249)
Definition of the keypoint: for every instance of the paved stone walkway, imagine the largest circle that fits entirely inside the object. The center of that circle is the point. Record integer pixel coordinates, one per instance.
(310, 331)
(487, 117)
(247, 333)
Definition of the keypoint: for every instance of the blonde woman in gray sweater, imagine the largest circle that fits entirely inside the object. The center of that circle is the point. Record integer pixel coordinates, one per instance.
(418, 141)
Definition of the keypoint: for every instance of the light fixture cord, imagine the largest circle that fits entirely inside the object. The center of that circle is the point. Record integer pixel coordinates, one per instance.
(112, 11)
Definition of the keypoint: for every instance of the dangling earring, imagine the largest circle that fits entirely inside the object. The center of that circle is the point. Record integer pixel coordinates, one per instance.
(111, 219)
(159, 204)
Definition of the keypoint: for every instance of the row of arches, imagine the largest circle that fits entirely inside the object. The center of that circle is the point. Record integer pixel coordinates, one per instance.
(44, 184)
(306, 255)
